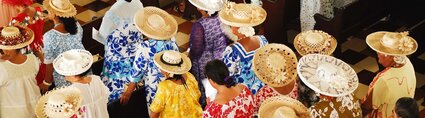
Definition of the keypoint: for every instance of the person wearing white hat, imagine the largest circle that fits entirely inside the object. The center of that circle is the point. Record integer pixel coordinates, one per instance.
(239, 20)
(159, 27)
(66, 34)
(75, 65)
(397, 80)
(18, 87)
(178, 95)
(207, 39)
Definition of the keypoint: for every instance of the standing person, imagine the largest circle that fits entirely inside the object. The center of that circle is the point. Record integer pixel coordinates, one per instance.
(159, 27)
(177, 96)
(238, 57)
(282, 106)
(18, 88)
(233, 100)
(397, 80)
(207, 40)
(75, 65)
(335, 81)
(7, 11)
(63, 102)
(66, 35)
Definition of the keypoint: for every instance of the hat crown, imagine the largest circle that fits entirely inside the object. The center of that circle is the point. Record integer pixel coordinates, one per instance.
(212, 4)
(172, 57)
(276, 62)
(314, 39)
(390, 40)
(156, 22)
(58, 103)
(331, 74)
(284, 112)
(10, 32)
(60, 4)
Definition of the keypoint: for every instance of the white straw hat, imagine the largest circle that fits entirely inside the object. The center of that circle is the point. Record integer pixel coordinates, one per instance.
(15, 37)
(392, 43)
(209, 5)
(59, 103)
(314, 42)
(242, 15)
(283, 107)
(155, 23)
(172, 62)
(61, 8)
(73, 62)
(327, 75)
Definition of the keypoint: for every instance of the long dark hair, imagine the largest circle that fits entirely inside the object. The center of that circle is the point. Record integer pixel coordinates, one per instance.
(218, 72)
(70, 24)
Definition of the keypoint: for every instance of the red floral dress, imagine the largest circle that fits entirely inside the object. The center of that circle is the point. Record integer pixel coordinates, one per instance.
(242, 106)
(36, 24)
(267, 92)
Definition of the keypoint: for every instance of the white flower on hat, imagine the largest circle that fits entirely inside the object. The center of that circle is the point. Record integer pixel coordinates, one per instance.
(405, 44)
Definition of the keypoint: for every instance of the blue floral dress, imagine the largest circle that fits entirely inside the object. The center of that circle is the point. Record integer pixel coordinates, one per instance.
(240, 64)
(56, 43)
(144, 68)
(122, 46)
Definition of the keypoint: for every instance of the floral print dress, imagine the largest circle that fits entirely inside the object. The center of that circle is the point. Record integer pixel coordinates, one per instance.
(341, 107)
(122, 46)
(239, 62)
(268, 92)
(144, 68)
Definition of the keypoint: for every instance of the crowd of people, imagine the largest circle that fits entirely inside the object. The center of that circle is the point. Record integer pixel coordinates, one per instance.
(228, 70)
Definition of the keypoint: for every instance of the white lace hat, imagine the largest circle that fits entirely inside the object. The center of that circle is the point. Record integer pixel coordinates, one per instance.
(62, 8)
(59, 103)
(172, 62)
(283, 107)
(15, 37)
(392, 43)
(73, 62)
(242, 15)
(155, 23)
(327, 75)
(314, 42)
(209, 5)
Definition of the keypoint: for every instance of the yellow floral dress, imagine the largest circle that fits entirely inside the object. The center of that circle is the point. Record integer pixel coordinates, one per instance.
(176, 101)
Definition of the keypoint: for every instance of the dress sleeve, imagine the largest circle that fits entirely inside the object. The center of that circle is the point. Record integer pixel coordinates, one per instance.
(229, 57)
(380, 93)
(48, 49)
(140, 65)
(107, 26)
(158, 102)
(196, 41)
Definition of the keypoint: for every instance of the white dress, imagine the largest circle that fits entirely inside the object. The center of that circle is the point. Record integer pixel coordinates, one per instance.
(95, 98)
(19, 92)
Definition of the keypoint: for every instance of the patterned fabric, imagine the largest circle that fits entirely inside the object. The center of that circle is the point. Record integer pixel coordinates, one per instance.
(242, 106)
(208, 42)
(56, 43)
(177, 100)
(268, 92)
(239, 62)
(390, 85)
(311, 7)
(340, 107)
(144, 68)
(122, 46)
(7, 12)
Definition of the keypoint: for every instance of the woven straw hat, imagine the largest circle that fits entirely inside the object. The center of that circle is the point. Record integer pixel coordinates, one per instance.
(392, 43)
(73, 62)
(314, 42)
(327, 75)
(15, 37)
(155, 23)
(61, 8)
(275, 65)
(172, 62)
(283, 107)
(59, 103)
(241, 15)
(209, 5)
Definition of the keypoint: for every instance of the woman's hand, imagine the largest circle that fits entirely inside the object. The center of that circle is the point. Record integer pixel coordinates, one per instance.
(125, 97)
(44, 88)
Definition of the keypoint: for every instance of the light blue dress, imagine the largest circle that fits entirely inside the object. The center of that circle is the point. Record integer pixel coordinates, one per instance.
(122, 46)
(144, 68)
(239, 62)
(56, 43)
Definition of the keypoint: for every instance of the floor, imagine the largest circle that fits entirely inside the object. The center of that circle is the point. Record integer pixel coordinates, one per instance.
(355, 51)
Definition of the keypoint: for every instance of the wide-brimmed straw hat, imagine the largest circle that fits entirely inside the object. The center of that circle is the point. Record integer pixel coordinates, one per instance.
(73, 62)
(209, 5)
(15, 37)
(172, 62)
(275, 65)
(314, 42)
(327, 75)
(392, 43)
(61, 8)
(283, 107)
(155, 23)
(59, 103)
(241, 15)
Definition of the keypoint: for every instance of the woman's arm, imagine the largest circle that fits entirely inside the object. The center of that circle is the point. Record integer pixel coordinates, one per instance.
(153, 114)
(367, 104)
(196, 41)
(48, 78)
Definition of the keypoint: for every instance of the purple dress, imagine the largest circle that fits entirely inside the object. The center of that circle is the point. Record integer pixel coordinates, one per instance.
(207, 42)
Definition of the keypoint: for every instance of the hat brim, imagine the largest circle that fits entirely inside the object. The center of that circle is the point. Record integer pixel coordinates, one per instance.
(261, 69)
(273, 103)
(182, 69)
(201, 6)
(67, 13)
(329, 51)
(60, 59)
(374, 42)
(308, 65)
(141, 21)
(229, 19)
(20, 45)
(40, 106)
